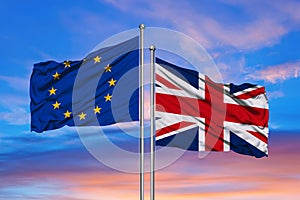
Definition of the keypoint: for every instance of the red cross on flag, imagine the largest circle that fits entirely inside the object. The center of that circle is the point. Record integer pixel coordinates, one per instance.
(194, 113)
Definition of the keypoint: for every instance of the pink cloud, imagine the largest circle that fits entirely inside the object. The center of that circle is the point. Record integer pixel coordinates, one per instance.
(265, 24)
(218, 176)
(277, 73)
(275, 94)
(226, 71)
(286, 10)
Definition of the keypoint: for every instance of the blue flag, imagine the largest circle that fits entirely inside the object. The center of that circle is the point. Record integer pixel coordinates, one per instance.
(101, 89)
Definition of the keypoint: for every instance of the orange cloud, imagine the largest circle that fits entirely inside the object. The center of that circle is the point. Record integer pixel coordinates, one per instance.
(217, 176)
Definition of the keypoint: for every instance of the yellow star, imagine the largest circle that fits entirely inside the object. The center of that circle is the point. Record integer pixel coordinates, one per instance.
(97, 110)
(108, 97)
(67, 114)
(52, 91)
(67, 64)
(107, 68)
(112, 82)
(97, 59)
(56, 76)
(82, 116)
(56, 105)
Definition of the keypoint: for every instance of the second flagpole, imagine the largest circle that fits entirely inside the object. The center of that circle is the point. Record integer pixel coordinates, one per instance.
(152, 121)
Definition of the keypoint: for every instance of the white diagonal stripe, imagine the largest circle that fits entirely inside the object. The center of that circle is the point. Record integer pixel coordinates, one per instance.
(241, 130)
(186, 89)
(176, 132)
(259, 101)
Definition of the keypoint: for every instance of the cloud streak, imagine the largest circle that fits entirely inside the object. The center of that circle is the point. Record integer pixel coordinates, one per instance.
(257, 26)
(17, 83)
(277, 73)
(69, 172)
(17, 116)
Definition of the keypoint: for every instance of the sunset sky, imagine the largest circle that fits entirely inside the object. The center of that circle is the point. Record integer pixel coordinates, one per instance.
(250, 41)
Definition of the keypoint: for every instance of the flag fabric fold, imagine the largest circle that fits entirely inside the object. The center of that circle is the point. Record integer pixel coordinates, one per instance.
(197, 114)
(53, 85)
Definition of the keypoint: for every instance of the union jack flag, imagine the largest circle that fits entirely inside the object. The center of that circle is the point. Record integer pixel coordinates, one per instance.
(197, 114)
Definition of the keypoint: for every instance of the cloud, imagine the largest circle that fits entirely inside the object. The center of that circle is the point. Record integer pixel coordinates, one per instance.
(11, 101)
(70, 173)
(287, 10)
(17, 83)
(230, 67)
(43, 55)
(274, 125)
(14, 108)
(276, 73)
(16, 116)
(257, 25)
(87, 24)
(275, 94)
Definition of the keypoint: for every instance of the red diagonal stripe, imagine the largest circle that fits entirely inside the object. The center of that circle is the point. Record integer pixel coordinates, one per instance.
(172, 127)
(166, 82)
(252, 93)
(259, 136)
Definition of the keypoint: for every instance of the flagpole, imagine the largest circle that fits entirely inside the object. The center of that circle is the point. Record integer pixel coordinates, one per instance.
(141, 108)
(152, 125)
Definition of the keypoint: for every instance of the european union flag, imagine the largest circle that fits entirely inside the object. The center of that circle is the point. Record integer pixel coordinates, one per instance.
(101, 89)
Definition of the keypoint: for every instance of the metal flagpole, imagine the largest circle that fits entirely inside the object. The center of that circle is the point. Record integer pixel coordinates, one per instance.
(141, 108)
(152, 125)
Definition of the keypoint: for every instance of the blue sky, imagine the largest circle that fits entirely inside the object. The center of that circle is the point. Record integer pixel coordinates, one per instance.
(250, 41)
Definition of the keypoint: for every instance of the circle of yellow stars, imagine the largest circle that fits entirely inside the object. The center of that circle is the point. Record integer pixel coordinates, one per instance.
(97, 109)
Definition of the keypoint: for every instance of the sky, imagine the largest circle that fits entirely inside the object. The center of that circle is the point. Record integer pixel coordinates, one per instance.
(249, 41)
